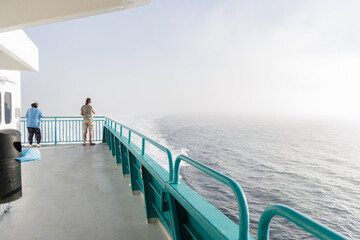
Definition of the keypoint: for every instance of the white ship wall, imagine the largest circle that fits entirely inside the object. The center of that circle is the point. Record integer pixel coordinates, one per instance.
(17, 53)
(10, 82)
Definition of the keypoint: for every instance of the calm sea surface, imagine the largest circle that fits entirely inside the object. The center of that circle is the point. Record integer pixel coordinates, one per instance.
(313, 168)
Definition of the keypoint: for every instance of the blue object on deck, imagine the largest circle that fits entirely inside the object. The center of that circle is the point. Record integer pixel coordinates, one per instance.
(29, 154)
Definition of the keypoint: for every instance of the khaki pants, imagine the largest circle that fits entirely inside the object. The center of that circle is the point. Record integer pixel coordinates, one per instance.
(88, 123)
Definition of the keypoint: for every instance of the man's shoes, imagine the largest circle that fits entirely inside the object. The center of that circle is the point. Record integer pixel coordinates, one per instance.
(30, 145)
(38, 145)
(92, 144)
(84, 144)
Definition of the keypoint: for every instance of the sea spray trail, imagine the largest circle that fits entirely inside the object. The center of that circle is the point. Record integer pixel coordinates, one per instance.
(312, 167)
(146, 126)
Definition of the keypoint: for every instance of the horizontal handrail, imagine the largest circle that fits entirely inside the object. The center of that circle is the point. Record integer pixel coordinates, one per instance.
(304, 222)
(144, 138)
(81, 117)
(239, 194)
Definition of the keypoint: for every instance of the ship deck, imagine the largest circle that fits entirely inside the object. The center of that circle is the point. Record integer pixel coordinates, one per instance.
(76, 192)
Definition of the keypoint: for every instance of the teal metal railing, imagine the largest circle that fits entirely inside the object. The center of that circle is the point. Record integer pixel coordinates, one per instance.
(118, 128)
(183, 212)
(239, 194)
(63, 129)
(318, 230)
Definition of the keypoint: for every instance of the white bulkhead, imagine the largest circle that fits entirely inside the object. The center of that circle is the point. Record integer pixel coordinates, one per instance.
(10, 99)
(17, 53)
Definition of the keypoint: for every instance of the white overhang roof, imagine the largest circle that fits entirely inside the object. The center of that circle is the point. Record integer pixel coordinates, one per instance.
(18, 52)
(19, 14)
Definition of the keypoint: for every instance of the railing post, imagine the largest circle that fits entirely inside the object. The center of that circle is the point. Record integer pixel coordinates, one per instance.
(25, 122)
(143, 147)
(55, 133)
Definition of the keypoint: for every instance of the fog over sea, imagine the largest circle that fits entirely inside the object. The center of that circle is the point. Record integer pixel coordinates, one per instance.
(313, 167)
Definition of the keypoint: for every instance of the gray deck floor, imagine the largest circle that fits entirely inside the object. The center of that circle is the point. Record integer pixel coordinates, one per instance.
(76, 192)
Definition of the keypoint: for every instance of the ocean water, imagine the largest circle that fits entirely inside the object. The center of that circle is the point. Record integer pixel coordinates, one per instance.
(313, 167)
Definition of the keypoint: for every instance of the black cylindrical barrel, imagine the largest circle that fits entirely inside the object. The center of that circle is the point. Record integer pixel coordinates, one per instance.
(10, 168)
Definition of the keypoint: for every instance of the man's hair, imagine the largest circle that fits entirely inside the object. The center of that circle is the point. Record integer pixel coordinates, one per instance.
(88, 100)
(35, 105)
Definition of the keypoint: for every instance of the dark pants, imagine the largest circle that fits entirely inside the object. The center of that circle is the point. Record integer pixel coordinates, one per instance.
(37, 134)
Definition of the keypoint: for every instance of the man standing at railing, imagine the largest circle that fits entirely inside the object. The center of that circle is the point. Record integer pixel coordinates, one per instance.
(87, 111)
(34, 116)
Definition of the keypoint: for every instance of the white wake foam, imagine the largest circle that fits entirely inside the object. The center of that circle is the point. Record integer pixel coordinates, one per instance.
(147, 126)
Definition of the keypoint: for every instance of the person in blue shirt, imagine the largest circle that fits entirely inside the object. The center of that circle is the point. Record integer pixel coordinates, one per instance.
(34, 116)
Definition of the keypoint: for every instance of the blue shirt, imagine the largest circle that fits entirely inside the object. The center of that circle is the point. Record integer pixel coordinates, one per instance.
(33, 116)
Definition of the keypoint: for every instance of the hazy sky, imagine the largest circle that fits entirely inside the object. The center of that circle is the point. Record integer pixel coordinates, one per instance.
(228, 57)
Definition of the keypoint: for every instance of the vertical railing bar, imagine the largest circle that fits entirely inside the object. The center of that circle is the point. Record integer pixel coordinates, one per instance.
(51, 130)
(41, 127)
(55, 133)
(44, 131)
(115, 127)
(77, 131)
(98, 130)
(143, 147)
(70, 130)
(73, 130)
(62, 130)
(51, 127)
(67, 130)
(47, 130)
(24, 131)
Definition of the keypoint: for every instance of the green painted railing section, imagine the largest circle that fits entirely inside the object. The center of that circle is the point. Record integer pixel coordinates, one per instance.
(318, 230)
(63, 129)
(115, 125)
(239, 194)
(178, 199)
